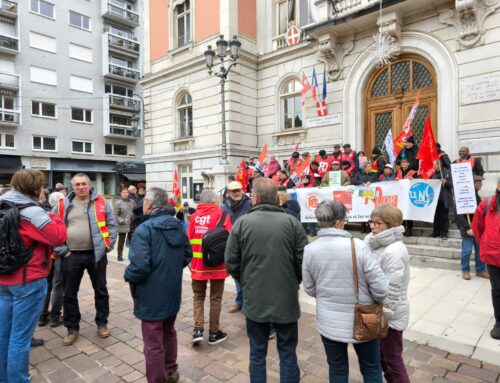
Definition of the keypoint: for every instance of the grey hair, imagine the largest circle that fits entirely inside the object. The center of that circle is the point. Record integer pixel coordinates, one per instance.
(158, 198)
(265, 190)
(329, 212)
(78, 175)
(209, 196)
(54, 198)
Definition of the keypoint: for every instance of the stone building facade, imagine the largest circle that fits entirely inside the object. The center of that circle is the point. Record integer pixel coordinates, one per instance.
(449, 51)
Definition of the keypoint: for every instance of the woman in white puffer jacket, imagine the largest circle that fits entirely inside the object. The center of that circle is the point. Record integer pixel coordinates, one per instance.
(386, 244)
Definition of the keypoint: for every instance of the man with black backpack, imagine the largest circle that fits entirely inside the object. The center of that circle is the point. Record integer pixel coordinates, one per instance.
(27, 234)
(208, 230)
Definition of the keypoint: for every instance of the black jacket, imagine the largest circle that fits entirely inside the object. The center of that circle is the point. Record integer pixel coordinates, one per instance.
(446, 195)
(292, 207)
(410, 155)
(444, 159)
(463, 223)
(361, 178)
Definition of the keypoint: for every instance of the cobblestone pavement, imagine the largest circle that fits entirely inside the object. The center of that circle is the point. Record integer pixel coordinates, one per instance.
(119, 358)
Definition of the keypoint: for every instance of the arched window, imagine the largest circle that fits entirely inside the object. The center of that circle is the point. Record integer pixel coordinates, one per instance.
(185, 115)
(291, 106)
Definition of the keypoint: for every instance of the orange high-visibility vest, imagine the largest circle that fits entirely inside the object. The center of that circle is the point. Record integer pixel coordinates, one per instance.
(99, 214)
(470, 160)
(408, 176)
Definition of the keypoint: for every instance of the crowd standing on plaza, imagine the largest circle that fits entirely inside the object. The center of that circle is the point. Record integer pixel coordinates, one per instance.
(257, 240)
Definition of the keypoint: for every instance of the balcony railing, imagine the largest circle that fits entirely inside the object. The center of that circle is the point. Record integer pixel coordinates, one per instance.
(8, 8)
(124, 131)
(344, 7)
(123, 102)
(279, 41)
(9, 81)
(9, 116)
(9, 44)
(124, 72)
(124, 14)
(123, 43)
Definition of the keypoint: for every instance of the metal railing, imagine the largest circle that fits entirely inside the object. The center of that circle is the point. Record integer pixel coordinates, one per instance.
(343, 7)
(279, 41)
(124, 43)
(123, 13)
(9, 6)
(9, 43)
(122, 130)
(9, 116)
(9, 80)
(122, 71)
(124, 102)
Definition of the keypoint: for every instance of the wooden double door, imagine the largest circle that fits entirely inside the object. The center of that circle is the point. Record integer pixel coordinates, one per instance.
(390, 94)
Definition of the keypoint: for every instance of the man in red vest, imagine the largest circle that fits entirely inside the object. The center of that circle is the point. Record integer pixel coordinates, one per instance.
(337, 154)
(92, 233)
(475, 163)
(351, 156)
(324, 163)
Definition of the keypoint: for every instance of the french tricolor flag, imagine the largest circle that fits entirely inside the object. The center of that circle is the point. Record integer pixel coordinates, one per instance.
(320, 100)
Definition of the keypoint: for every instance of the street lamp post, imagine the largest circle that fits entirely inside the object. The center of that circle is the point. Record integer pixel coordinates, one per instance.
(234, 47)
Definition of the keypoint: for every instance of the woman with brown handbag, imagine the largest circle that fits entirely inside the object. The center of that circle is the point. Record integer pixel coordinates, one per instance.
(386, 244)
(329, 276)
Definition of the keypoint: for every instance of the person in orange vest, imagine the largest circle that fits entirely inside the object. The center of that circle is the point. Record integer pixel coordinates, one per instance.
(404, 172)
(475, 163)
(324, 163)
(92, 233)
(350, 156)
(294, 163)
(207, 216)
(378, 161)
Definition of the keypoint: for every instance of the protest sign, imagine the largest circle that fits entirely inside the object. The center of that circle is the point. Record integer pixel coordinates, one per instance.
(463, 188)
(334, 179)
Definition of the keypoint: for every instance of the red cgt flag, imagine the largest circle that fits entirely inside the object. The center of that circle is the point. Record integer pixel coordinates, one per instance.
(241, 175)
(176, 188)
(400, 141)
(428, 152)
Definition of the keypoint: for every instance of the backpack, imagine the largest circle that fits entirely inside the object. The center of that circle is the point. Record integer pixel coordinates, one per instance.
(13, 254)
(213, 243)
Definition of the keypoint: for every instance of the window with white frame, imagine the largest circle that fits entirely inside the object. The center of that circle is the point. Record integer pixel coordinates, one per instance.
(116, 150)
(186, 178)
(84, 147)
(81, 115)
(7, 140)
(80, 21)
(285, 14)
(118, 31)
(43, 109)
(7, 113)
(291, 105)
(183, 23)
(185, 115)
(43, 8)
(118, 90)
(42, 143)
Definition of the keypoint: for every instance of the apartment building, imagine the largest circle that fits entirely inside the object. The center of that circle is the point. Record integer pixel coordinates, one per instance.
(448, 51)
(70, 100)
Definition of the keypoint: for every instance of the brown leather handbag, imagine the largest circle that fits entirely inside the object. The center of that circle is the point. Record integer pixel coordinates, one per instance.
(369, 320)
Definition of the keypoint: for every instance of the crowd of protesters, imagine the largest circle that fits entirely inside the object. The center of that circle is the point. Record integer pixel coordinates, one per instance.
(82, 228)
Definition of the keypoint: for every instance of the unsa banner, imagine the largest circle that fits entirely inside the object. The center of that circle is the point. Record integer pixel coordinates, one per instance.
(417, 199)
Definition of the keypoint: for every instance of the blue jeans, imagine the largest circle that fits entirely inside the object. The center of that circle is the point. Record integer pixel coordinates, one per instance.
(20, 306)
(286, 339)
(467, 244)
(338, 360)
(239, 295)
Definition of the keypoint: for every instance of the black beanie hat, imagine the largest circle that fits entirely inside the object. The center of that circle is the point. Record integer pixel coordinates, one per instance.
(376, 150)
(411, 139)
(322, 153)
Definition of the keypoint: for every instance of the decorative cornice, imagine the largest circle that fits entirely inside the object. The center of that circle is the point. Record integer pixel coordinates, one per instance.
(468, 18)
(332, 54)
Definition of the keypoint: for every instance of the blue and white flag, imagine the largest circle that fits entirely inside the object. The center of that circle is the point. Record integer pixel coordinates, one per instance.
(389, 147)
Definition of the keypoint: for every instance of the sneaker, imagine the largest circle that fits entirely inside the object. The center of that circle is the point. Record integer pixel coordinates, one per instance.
(466, 276)
(36, 342)
(495, 333)
(234, 309)
(217, 338)
(103, 331)
(70, 338)
(173, 378)
(483, 274)
(197, 336)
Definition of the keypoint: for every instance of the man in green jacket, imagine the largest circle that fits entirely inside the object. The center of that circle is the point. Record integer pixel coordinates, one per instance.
(264, 253)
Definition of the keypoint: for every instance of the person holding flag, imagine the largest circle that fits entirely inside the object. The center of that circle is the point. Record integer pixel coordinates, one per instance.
(293, 163)
(409, 152)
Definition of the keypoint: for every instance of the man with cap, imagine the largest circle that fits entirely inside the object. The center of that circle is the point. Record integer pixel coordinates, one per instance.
(344, 178)
(293, 163)
(236, 205)
(464, 222)
(475, 163)
(324, 163)
(61, 189)
(337, 154)
(351, 156)
(409, 152)
(378, 161)
(388, 174)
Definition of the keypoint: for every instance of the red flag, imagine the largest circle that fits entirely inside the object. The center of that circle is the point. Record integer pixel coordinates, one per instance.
(400, 141)
(241, 175)
(176, 189)
(306, 87)
(262, 160)
(428, 152)
(299, 173)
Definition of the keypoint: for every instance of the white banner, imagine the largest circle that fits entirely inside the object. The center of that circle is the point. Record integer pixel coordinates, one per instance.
(417, 199)
(463, 188)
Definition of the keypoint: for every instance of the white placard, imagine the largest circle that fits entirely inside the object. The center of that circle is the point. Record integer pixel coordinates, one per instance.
(482, 88)
(463, 187)
(333, 119)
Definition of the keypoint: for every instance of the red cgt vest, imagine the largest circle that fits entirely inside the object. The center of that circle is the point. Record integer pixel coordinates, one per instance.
(349, 157)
